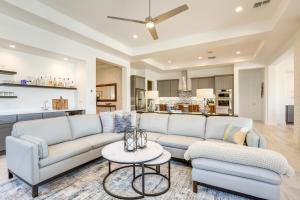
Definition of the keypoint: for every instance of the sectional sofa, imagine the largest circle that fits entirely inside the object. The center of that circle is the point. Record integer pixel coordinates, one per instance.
(41, 150)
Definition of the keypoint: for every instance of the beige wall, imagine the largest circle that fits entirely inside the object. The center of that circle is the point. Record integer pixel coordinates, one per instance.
(297, 84)
(107, 75)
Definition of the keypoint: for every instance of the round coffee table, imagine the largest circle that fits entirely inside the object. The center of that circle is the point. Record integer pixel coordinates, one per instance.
(163, 159)
(115, 153)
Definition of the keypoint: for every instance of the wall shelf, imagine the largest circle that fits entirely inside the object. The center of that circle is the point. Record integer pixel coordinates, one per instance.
(7, 72)
(8, 97)
(35, 86)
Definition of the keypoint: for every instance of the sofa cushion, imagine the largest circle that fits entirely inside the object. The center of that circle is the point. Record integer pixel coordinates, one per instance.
(176, 141)
(187, 125)
(216, 125)
(244, 171)
(84, 125)
(100, 140)
(154, 136)
(154, 122)
(53, 130)
(62, 151)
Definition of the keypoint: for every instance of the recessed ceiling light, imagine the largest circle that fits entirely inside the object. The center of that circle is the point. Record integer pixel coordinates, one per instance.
(135, 36)
(238, 52)
(169, 61)
(12, 46)
(66, 59)
(239, 9)
(200, 57)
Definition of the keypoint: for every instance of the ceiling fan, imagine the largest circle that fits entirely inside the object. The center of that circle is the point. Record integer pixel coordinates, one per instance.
(151, 22)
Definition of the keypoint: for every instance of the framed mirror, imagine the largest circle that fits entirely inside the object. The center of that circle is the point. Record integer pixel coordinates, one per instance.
(106, 92)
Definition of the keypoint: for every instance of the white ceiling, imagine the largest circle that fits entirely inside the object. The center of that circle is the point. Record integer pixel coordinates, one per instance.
(202, 16)
(209, 25)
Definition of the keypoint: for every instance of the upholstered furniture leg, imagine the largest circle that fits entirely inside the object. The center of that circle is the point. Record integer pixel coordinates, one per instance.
(195, 186)
(35, 191)
(10, 175)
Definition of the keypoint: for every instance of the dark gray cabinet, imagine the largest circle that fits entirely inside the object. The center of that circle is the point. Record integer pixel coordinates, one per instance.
(53, 114)
(5, 130)
(6, 124)
(7, 121)
(26, 117)
(168, 88)
(202, 83)
(224, 82)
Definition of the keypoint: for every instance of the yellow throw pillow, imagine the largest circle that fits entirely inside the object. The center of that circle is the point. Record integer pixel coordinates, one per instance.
(235, 134)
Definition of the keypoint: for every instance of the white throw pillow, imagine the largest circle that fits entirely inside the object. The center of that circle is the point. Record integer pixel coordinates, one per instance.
(108, 121)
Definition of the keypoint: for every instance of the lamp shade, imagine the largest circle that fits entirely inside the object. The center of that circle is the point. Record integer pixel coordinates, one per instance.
(205, 93)
(151, 94)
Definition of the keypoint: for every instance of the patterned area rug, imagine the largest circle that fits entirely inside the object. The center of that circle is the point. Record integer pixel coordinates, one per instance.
(86, 183)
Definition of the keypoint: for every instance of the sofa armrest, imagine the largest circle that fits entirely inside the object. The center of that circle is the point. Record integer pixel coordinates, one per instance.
(23, 159)
(41, 144)
(255, 139)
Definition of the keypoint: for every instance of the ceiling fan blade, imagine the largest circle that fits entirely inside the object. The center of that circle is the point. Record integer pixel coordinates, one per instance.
(153, 33)
(170, 14)
(128, 20)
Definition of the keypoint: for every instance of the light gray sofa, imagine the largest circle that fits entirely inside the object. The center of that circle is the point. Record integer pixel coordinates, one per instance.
(176, 132)
(70, 141)
(61, 144)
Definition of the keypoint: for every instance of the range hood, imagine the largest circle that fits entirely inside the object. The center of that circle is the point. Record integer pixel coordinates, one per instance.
(184, 78)
(183, 93)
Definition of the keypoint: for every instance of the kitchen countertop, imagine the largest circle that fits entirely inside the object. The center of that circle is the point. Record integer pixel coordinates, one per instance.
(189, 113)
(37, 111)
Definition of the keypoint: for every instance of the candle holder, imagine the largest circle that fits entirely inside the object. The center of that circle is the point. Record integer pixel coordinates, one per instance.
(130, 139)
(141, 138)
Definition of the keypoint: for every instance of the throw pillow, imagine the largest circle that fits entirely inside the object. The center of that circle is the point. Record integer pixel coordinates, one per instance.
(122, 122)
(108, 121)
(235, 134)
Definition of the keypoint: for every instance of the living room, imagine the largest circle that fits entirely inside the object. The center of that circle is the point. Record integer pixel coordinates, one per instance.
(131, 99)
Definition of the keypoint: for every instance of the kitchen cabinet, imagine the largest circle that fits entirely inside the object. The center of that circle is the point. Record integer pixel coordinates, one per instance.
(26, 117)
(174, 84)
(224, 82)
(7, 121)
(53, 114)
(6, 124)
(5, 130)
(202, 83)
(168, 88)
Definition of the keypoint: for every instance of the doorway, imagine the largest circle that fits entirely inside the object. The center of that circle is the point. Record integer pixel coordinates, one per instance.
(149, 85)
(251, 93)
(108, 87)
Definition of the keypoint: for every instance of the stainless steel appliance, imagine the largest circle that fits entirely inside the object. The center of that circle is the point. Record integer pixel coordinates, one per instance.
(224, 101)
(140, 100)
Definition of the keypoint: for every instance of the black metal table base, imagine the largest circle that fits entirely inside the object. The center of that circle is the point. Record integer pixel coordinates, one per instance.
(142, 193)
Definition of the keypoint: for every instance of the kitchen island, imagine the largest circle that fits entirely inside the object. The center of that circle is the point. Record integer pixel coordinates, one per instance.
(189, 113)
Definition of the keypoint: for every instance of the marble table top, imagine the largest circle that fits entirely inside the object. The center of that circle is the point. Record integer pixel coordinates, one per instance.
(163, 158)
(115, 152)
